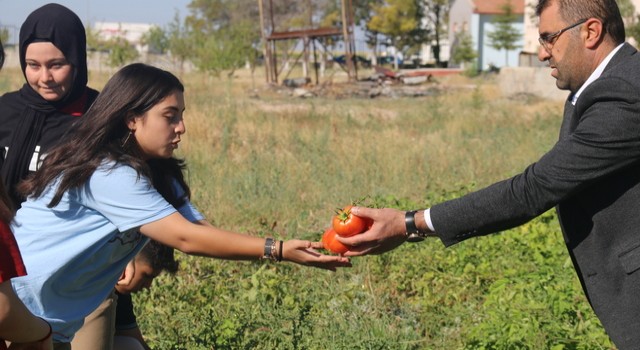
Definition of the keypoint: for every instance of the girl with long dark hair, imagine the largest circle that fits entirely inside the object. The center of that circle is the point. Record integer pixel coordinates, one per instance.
(94, 203)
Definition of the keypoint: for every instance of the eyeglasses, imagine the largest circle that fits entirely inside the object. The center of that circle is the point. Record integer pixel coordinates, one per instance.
(548, 40)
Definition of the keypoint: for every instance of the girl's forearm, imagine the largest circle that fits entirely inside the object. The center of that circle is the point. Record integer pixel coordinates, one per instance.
(203, 239)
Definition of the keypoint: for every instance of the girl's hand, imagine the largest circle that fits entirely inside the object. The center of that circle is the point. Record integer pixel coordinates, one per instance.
(305, 253)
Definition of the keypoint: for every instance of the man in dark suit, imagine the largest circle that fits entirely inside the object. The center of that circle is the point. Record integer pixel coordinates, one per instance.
(591, 175)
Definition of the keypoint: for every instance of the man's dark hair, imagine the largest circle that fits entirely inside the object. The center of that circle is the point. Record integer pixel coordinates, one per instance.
(607, 11)
(158, 256)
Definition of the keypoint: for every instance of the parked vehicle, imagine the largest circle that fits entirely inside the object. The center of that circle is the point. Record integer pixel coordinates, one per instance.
(389, 60)
(362, 62)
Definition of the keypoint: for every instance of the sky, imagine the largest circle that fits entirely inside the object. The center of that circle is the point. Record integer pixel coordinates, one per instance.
(158, 12)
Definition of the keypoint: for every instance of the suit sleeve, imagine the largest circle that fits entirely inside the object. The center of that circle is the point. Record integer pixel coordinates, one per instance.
(602, 138)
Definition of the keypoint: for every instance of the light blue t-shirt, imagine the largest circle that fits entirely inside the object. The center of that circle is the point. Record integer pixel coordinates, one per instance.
(75, 252)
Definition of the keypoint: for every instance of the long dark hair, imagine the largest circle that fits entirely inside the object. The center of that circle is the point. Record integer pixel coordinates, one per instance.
(102, 131)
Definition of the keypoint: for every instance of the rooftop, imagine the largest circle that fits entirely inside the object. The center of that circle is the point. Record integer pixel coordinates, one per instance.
(495, 7)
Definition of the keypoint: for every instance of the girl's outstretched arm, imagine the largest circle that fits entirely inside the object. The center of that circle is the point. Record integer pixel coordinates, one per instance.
(206, 240)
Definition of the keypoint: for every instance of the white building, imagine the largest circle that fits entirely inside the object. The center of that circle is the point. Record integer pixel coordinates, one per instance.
(476, 17)
(132, 32)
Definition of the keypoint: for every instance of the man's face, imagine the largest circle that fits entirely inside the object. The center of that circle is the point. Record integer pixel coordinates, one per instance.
(142, 278)
(564, 52)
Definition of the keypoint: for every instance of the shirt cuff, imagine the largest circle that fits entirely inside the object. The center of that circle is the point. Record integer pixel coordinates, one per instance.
(427, 219)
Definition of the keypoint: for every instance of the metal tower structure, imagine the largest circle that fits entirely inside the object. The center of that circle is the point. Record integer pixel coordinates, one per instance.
(307, 38)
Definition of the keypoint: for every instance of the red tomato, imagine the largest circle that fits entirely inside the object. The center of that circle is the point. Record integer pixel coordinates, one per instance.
(346, 224)
(332, 244)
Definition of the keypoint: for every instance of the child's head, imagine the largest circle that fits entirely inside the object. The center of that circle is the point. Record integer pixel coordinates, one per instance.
(150, 262)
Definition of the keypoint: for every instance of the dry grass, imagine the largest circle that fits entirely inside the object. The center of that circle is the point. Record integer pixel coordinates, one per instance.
(290, 161)
(258, 156)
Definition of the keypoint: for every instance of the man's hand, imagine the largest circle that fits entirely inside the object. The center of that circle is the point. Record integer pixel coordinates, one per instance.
(387, 232)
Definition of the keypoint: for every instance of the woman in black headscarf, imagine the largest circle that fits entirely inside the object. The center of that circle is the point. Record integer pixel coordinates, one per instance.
(53, 58)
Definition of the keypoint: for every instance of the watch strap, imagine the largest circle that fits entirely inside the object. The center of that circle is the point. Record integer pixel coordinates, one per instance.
(268, 248)
(413, 234)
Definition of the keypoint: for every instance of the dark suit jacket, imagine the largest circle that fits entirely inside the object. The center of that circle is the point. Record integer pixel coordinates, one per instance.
(592, 176)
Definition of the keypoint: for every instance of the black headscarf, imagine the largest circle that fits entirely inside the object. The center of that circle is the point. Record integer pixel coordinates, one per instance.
(60, 26)
(63, 28)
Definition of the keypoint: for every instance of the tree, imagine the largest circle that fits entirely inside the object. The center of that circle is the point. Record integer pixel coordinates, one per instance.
(120, 52)
(463, 51)
(179, 40)
(224, 34)
(505, 35)
(632, 22)
(634, 30)
(156, 39)
(226, 49)
(4, 35)
(627, 10)
(436, 17)
(400, 21)
(363, 12)
(94, 43)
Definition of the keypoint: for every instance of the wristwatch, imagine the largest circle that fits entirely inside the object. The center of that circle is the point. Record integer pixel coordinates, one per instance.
(413, 234)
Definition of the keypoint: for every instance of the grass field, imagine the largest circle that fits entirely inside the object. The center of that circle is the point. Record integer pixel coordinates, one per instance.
(269, 164)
